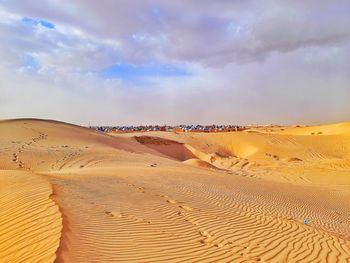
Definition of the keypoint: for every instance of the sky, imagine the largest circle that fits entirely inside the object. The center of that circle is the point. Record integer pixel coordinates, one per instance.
(125, 62)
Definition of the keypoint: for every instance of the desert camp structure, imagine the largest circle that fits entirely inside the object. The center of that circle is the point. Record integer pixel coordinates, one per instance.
(166, 128)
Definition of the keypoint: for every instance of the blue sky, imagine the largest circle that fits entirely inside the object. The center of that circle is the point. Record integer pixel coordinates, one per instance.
(31, 62)
(236, 62)
(131, 73)
(136, 73)
(35, 22)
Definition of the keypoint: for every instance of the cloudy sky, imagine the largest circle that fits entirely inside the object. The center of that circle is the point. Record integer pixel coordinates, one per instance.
(174, 62)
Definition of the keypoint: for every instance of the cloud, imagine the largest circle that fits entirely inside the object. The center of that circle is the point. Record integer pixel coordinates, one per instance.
(158, 61)
(214, 34)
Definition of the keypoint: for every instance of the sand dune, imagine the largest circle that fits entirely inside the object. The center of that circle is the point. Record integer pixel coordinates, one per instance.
(69, 194)
(30, 222)
(322, 159)
(169, 148)
(331, 129)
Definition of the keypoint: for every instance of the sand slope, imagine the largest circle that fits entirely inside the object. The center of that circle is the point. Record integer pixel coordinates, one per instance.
(171, 216)
(293, 153)
(30, 222)
(165, 197)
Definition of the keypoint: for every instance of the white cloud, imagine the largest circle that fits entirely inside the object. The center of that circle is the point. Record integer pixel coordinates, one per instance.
(197, 30)
(251, 61)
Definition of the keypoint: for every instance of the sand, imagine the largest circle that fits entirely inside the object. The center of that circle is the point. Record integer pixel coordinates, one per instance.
(30, 222)
(274, 194)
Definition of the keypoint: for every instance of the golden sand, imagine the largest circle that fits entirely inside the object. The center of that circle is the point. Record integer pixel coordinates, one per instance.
(30, 222)
(274, 194)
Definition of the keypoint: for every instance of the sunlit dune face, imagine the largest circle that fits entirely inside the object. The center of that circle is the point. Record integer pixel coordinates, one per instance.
(71, 194)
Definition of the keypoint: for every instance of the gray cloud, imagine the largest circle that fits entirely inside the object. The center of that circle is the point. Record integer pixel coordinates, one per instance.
(212, 33)
(251, 61)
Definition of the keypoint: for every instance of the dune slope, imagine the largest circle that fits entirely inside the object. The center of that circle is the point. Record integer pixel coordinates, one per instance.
(258, 196)
(30, 222)
(294, 153)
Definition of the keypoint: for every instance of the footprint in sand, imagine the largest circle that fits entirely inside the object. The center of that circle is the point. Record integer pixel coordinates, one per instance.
(113, 214)
(191, 221)
(294, 159)
(208, 241)
(219, 245)
(185, 207)
(204, 233)
(139, 188)
(21, 164)
(255, 259)
(276, 157)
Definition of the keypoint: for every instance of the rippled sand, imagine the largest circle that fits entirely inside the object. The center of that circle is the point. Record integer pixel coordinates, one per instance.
(277, 194)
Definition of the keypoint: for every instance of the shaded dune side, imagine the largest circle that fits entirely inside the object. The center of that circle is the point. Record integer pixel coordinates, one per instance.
(182, 152)
(169, 148)
(200, 163)
(30, 222)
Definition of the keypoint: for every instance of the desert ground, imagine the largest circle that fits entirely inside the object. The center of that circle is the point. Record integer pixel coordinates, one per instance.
(272, 194)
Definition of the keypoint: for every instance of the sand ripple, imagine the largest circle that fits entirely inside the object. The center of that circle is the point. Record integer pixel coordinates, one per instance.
(178, 219)
(30, 222)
